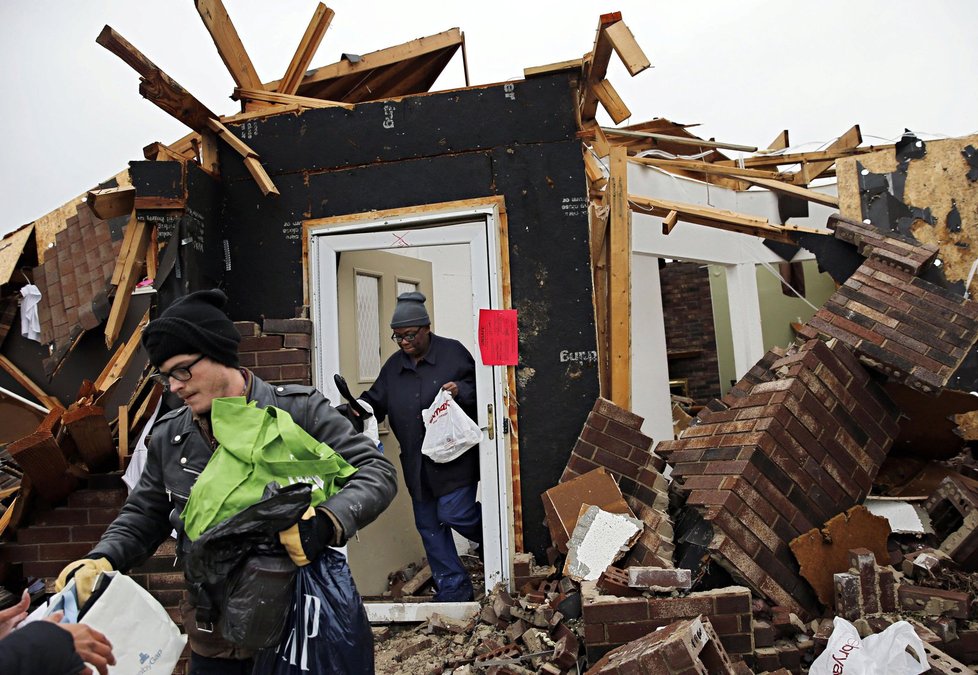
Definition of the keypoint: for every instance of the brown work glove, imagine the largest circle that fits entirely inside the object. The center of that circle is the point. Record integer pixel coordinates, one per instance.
(84, 572)
(307, 539)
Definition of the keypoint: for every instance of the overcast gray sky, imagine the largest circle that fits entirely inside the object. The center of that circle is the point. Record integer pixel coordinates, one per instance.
(744, 69)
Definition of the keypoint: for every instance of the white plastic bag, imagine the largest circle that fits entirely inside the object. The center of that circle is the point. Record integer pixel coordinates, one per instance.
(144, 638)
(886, 653)
(448, 430)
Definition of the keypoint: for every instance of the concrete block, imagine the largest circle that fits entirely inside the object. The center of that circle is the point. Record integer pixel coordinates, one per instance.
(599, 539)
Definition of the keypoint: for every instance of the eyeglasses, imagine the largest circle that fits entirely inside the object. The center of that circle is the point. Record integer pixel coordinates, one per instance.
(405, 337)
(181, 374)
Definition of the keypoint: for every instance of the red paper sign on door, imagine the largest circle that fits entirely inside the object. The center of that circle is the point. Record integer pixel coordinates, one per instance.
(498, 337)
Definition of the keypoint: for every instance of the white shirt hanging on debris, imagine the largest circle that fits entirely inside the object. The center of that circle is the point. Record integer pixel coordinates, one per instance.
(138, 461)
(30, 323)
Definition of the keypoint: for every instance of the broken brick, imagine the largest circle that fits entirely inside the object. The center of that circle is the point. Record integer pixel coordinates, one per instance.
(659, 578)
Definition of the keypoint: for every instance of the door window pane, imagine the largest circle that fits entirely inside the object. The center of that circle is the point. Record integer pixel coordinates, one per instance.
(368, 326)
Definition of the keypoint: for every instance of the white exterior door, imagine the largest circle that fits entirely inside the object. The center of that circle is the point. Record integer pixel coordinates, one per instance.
(462, 247)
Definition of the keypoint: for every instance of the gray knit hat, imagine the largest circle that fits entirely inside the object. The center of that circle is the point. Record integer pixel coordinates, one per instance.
(410, 311)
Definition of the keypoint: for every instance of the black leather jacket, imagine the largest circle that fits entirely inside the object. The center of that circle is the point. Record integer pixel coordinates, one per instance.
(178, 451)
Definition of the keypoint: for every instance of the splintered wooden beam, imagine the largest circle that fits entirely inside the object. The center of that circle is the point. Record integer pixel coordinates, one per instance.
(158, 152)
(128, 237)
(573, 64)
(156, 85)
(850, 139)
(611, 101)
(709, 168)
(288, 99)
(596, 66)
(111, 202)
(49, 402)
(627, 48)
(249, 156)
(620, 284)
(720, 219)
(794, 191)
(132, 267)
(682, 140)
(228, 44)
(43, 461)
(121, 359)
(321, 18)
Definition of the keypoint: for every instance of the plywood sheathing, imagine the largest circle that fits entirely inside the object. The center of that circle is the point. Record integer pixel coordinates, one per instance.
(936, 183)
(11, 248)
(824, 551)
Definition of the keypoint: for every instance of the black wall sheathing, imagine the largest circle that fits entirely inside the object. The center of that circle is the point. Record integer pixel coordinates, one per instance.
(514, 140)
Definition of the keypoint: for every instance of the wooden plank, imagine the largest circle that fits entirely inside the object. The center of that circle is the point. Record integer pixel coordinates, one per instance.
(598, 223)
(669, 222)
(123, 436)
(156, 85)
(261, 176)
(235, 56)
(127, 282)
(121, 358)
(559, 67)
(724, 220)
(801, 157)
(592, 167)
(596, 66)
(90, 431)
(128, 236)
(850, 139)
(382, 57)
(209, 154)
(288, 99)
(781, 142)
(49, 402)
(708, 168)
(627, 48)
(681, 140)
(225, 134)
(158, 152)
(620, 281)
(612, 102)
(260, 114)
(111, 202)
(794, 191)
(311, 39)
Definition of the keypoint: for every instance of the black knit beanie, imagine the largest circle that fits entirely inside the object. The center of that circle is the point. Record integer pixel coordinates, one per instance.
(410, 311)
(194, 324)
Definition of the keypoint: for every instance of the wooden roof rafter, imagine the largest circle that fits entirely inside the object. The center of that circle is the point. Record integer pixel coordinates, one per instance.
(429, 54)
(166, 93)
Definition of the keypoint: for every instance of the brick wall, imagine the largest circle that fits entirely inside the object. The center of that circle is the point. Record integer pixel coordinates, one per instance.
(794, 448)
(687, 310)
(610, 621)
(58, 536)
(279, 351)
(612, 439)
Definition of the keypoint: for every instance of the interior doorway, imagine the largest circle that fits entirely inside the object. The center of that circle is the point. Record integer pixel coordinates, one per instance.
(357, 267)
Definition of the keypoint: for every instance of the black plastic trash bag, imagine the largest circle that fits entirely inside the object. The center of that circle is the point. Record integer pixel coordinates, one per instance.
(328, 632)
(240, 574)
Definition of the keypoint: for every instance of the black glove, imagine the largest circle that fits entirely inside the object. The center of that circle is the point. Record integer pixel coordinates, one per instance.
(307, 539)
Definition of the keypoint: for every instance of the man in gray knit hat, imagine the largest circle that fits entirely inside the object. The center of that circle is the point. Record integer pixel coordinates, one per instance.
(443, 495)
(194, 346)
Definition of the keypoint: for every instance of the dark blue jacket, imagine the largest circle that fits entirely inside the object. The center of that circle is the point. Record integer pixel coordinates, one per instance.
(403, 389)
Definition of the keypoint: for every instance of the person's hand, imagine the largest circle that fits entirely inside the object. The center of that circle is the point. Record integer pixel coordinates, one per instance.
(85, 572)
(307, 539)
(451, 388)
(92, 646)
(12, 616)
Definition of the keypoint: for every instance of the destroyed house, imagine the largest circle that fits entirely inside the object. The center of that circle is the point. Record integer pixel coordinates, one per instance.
(716, 368)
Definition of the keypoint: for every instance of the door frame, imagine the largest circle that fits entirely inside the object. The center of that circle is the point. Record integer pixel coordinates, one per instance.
(444, 223)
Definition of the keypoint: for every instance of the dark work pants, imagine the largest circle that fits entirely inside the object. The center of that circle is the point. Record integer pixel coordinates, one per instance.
(205, 665)
(435, 520)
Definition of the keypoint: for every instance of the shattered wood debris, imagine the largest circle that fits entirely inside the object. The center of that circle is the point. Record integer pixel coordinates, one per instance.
(764, 529)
